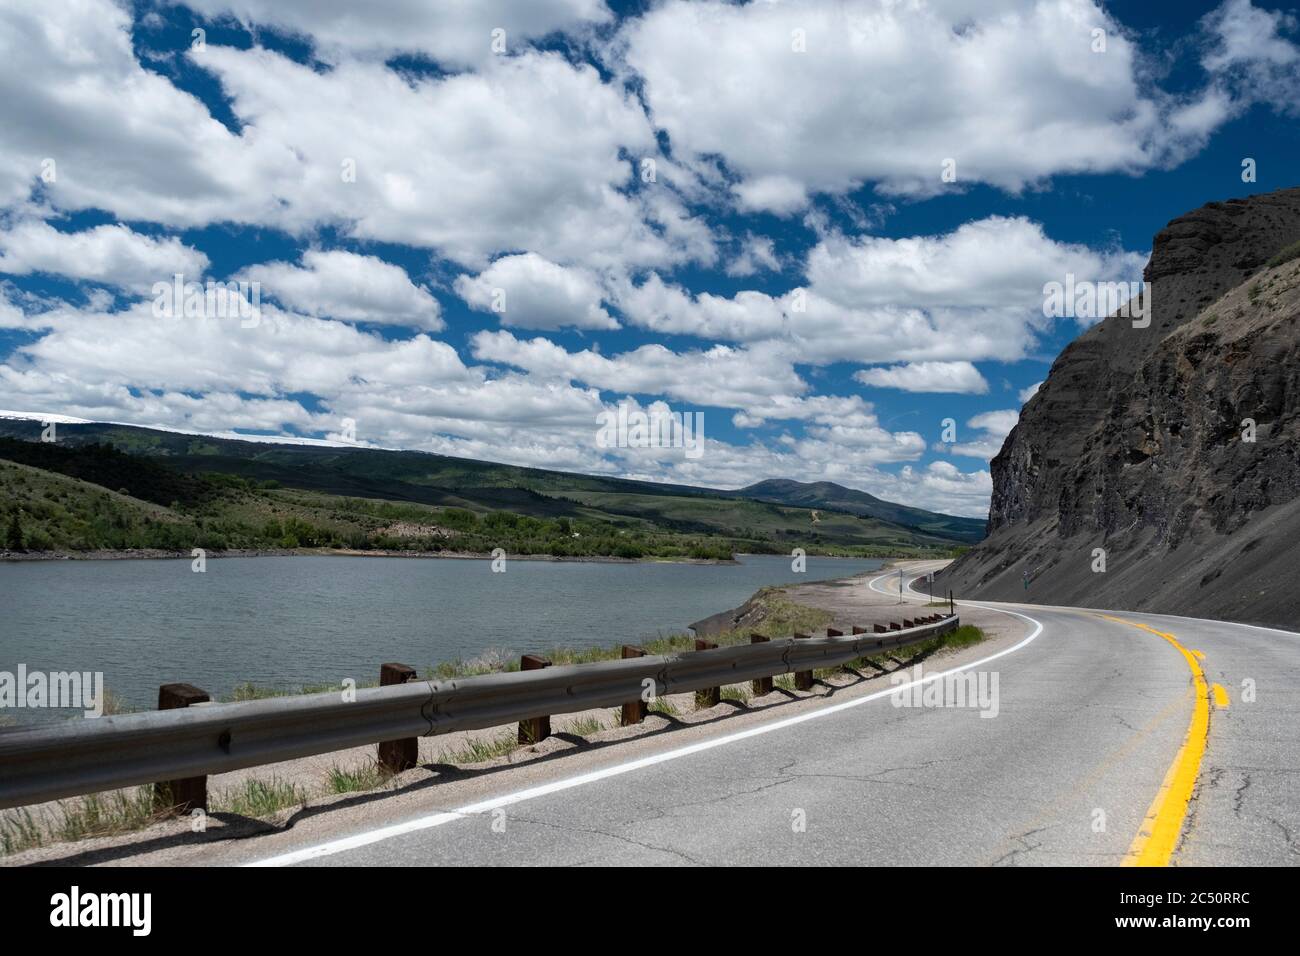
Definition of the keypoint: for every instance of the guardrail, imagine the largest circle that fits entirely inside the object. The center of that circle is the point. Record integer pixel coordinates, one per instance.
(185, 745)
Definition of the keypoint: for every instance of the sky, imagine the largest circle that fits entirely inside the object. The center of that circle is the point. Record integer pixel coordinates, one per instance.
(471, 227)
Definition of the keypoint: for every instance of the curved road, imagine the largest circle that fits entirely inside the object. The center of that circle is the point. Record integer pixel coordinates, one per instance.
(1096, 729)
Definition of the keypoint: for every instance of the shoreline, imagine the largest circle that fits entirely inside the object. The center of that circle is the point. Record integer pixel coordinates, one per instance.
(162, 554)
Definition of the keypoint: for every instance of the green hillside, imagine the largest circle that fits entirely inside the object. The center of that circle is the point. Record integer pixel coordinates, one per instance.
(168, 490)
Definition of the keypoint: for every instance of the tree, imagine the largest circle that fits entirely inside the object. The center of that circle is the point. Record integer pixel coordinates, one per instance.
(15, 536)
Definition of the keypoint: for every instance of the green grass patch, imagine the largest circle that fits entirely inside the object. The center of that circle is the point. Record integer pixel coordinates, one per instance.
(250, 691)
(662, 705)
(370, 776)
(259, 798)
(585, 726)
(103, 814)
(738, 693)
(19, 831)
(481, 750)
(1284, 255)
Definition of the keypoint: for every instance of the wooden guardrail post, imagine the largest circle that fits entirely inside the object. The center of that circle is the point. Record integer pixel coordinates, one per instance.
(908, 623)
(832, 632)
(878, 629)
(191, 793)
(533, 730)
(398, 755)
(803, 680)
(709, 696)
(893, 626)
(634, 711)
(761, 685)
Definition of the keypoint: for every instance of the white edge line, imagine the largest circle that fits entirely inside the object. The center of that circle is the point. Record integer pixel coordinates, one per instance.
(344, 844)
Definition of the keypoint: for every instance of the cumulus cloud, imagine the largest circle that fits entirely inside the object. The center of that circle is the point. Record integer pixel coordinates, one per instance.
(927, 377)
(112, 254)
(823, 95)
(531, 152)
(1249, 53)
(757, 254)
(992, 428)
(528, 291)
(970, 294)
(453, 32)
(344, 285)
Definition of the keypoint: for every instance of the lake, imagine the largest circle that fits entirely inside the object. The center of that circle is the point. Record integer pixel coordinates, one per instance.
(289, 621)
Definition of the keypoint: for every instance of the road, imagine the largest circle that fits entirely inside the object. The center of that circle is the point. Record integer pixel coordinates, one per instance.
(1101, 722)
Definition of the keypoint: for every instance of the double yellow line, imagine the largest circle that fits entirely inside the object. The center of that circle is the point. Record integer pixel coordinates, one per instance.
(1158, 836)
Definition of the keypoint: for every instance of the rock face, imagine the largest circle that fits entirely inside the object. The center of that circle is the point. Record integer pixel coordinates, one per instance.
(1135, 443)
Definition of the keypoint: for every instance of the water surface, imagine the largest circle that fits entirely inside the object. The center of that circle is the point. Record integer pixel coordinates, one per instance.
(289, 621)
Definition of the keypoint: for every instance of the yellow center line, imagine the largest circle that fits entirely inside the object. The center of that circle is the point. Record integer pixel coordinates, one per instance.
(1158, 836)
(1220, 697)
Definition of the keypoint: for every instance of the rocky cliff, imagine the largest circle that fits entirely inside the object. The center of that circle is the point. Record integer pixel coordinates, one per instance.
(1139, 444)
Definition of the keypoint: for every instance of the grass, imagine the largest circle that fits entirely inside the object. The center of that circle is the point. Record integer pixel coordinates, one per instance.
(103, 814)
(963, 636)
(251, 691)
(736, 692)
(259, 798)
(94, 815)
(585, 727)
(20, 831)
(1284, 255)
(370, 776)
(776, 616)
(481, 750)
(662, 705)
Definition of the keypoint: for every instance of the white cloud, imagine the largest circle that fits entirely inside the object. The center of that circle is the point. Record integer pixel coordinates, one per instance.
(1029, 391)
(110, 254)
(757, 253)
(962, 377)
(1249, 55)
(453, 32)
(884, 93)
(721, 376)
(971, 294)
(993, 428)
(351, 287)
(531, 153)
(531, 292)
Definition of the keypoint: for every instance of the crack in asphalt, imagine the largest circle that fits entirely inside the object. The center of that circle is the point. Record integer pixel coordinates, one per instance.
(567, 828)
(1025, 847)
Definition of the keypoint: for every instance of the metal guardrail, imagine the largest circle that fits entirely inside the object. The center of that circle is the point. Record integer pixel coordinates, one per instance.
(105, 753)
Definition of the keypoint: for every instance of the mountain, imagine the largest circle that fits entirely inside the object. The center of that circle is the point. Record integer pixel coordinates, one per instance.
(1135, 443)
(833, 497)
(324, 488)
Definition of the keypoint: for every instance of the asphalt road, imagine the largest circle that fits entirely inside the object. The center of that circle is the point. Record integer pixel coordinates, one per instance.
(1092, 725)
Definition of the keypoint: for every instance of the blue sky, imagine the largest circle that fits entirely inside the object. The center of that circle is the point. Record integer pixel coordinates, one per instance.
(797, 268)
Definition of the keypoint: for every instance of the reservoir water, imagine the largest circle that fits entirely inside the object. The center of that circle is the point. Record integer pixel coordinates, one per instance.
(290, 621)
